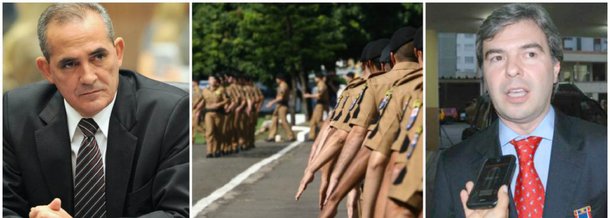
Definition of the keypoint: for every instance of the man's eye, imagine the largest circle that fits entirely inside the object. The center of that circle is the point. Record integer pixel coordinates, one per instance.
(496, 58)
(68, 65)
(531, 54)
(99, 56)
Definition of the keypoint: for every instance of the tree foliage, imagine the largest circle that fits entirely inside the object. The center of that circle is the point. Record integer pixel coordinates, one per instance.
(263, 39)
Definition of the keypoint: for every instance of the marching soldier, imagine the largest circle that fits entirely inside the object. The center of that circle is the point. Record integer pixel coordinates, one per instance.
(213, 101)
(400, 194)
(371, 108)
(196, 119)
(322, 101)
(279, 114)
(227, 126)
(257, 101)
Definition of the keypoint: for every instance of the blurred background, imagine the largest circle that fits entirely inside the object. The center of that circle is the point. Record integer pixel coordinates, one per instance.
(457, 104)
(156, 40)
(263, 40)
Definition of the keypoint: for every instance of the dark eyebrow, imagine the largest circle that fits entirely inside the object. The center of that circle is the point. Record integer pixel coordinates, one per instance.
(98, 51)
(532, 45)
(492, 51)
(65, 60)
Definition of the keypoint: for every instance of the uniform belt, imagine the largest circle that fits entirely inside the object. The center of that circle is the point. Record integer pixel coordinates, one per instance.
(218, 110)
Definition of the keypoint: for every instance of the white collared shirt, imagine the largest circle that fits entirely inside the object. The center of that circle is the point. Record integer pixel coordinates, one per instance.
(76, 135)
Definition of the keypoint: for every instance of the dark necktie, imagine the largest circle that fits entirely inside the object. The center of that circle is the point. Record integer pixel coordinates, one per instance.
(89, 182)
(529, 191)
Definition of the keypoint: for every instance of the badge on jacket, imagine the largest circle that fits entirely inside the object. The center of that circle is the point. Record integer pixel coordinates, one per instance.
(356, 99)
(584, 212)
(414, 112)
(414, 142)
(385, 101)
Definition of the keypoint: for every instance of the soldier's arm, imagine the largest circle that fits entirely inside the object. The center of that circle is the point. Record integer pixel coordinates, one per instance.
(200, 104)
(330, 150)
(219, 104)
(361, 116)
(277, 99)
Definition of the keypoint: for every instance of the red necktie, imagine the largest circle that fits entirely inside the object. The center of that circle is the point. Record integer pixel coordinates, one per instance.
(529, 192)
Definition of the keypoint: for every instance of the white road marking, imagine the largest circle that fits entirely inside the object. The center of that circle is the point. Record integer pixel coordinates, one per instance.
(237, 180)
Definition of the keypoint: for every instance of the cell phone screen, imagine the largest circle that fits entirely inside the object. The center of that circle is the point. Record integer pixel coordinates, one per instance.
(494, 173)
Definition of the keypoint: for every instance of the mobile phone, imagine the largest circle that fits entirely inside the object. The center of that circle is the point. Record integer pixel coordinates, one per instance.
(494, 173)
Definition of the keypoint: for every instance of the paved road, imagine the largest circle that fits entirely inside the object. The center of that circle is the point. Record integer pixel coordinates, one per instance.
(268, 193)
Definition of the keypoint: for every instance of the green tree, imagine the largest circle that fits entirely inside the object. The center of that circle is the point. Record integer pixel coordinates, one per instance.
(263, 39)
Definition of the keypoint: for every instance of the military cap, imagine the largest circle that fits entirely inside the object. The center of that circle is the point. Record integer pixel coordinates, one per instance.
(365, 51)
(418, 40)
(385, 55)
(319, 75)
(350, 74)
(281, 76)
(376, 48)
(401, 36)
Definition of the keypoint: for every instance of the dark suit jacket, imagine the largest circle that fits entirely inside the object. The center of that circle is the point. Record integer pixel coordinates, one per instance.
(577, 173)
(147, 156)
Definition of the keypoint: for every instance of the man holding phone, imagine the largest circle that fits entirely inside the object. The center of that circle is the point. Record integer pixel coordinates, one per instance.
(561, 161)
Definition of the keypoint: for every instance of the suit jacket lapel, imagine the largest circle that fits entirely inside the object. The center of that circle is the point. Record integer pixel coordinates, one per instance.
(490, 148)
(54, 153)
(564, 169)
(121, 147)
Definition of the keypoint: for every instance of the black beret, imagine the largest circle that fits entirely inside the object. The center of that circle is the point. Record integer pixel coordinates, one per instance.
(376, 48)
(365, 51)
(281, 76)
(385, 55)
(350, 74)
(401, 36)
(418, 40)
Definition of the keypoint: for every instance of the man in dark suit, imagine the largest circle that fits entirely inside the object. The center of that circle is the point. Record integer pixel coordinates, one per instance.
(561, 169)
(93, 141)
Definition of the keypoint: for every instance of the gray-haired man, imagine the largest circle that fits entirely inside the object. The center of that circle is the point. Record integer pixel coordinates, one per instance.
(93, 140)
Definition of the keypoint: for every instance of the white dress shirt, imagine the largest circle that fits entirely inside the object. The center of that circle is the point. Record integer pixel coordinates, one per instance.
(76, 135)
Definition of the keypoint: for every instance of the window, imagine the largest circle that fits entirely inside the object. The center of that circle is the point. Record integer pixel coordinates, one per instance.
(469, 60)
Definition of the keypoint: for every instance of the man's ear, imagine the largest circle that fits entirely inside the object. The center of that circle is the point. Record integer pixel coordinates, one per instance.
(556, 70)
(119, 45)
(392, 58)
(43, 66)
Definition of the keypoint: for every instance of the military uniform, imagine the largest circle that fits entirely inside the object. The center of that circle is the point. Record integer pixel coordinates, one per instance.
(241, 117)
(378, 129)
(279, 114)
(409, 144)
(376, 98)
(213, 118)
(196, 120)
(318, 111)
(346, 103)
(229, 138)
(258, 101)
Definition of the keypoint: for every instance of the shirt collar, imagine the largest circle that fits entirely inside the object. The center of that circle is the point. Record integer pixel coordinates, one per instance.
(102, 118)
(405, 65)
(544, 129)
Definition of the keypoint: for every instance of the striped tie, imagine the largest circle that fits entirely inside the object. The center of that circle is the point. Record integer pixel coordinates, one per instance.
(89, 182)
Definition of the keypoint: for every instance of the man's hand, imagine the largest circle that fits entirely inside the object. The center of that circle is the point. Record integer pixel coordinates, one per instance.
(52, 210)
(500, 211)
(307, 178)
(269, 104)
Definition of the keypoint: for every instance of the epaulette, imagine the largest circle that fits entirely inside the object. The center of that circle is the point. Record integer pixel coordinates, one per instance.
(355, 82)
(376, 74)
(408, 77)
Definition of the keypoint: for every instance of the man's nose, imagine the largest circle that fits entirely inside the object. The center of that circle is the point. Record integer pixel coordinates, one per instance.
(513, 67)
(89, 74)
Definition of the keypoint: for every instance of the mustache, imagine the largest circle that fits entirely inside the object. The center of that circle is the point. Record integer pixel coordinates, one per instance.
(87, 89)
